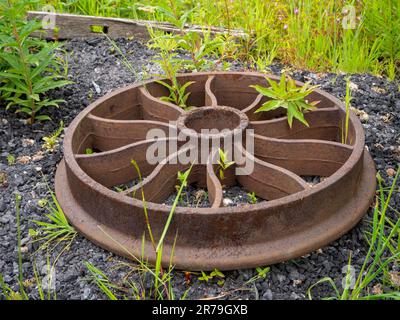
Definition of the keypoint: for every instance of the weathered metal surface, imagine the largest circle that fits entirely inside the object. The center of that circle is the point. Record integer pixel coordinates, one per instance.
(296, 219)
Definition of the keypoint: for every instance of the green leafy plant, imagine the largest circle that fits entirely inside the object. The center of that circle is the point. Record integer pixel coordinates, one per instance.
(51, 141)
(182, 178)
(10, 159)
(177, 92)
(89, 151)
(262, 272)
(29, 68)
(252, 197)
(287, 95)
(213, 274)
(166, 44)
(199, 46)
(223, 163)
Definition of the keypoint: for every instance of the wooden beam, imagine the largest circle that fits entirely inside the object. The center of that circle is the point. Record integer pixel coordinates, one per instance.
(71, 26)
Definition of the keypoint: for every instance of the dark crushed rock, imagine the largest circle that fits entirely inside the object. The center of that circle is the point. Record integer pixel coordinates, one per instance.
(193, 196)
(96, 70)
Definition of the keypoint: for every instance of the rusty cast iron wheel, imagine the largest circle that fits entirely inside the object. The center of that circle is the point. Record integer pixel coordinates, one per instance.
(296, 219)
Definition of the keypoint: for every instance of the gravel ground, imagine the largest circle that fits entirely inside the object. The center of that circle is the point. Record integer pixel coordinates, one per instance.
(96, 70)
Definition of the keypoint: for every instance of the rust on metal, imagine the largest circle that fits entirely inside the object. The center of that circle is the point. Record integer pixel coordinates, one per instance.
(295, 219)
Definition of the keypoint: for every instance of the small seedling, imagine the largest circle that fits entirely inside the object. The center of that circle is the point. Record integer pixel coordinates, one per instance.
(262, 272)
(33, 233)
(223, 163)
(51, 142)
(182, 178)
(214, 274)
(89, 151)
(119, 189)
(42, 203)
(252, 197)
(177, 92)
(205, 277)
(287, 95)
(10, 159)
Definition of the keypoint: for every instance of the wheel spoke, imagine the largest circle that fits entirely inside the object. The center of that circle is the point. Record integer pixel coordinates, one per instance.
(324, 124)
(109, 134)
(303, 157)
(114, 167)
(269, 181)
(210, 98)
(158, 110)
(213, 184)
(160, 184)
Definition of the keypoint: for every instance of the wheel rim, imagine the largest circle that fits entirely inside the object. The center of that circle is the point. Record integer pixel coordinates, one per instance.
(297, 218)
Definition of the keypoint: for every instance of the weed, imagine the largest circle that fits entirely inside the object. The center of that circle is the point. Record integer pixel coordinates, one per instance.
(168, 62)
(381, 239)
(306, 34)
(57, 229)
(199, 47)
(42, 203)
(28, 68)
(214, 274)
(262, 272)
(252, 197)
(182, 178)
(10, 159)
(101, 281)
(50, 142)
(288, 96)
(223, 163)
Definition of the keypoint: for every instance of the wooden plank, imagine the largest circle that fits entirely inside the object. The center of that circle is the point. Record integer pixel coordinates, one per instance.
(70, 26)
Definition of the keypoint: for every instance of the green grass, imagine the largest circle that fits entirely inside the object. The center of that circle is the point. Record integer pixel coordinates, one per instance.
(384, 250)
(6, 291)
(161, 285)
(305, 33)
(55, 229)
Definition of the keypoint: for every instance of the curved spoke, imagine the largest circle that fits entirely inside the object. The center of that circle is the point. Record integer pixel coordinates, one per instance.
(111, 134)
(210, 98)
(260, 116)
(324, 124)
(256, 103)
(160, 184)
(114, 167)
(158, 110)
(269, 181)
(214, 186)
(303, 157)
(120, 104)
